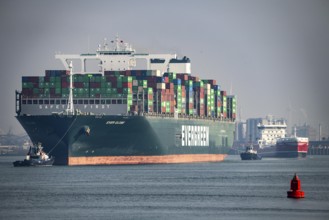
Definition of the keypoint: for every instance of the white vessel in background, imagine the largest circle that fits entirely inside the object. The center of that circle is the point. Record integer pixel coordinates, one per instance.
(273, 141)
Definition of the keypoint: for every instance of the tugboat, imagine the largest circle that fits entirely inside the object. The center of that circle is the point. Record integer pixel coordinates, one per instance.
(35, 157)
(250, 154)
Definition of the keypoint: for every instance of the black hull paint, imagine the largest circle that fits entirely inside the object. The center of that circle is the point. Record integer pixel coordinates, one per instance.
(250, 156)
(33, 162)
(91, 136)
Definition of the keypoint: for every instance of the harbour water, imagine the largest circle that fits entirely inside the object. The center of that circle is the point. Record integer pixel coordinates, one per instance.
(232, 189)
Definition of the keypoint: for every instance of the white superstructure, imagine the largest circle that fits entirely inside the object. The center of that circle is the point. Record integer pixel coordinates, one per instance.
(270, 131)
(123, 57)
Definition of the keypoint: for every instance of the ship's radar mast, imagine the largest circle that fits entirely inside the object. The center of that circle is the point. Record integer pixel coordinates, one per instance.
(118, 46)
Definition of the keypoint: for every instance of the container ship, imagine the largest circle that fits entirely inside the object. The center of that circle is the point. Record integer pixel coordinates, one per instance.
(136, 108)
(273, 141)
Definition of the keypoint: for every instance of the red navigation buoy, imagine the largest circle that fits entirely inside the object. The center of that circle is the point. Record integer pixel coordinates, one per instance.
(295, 189)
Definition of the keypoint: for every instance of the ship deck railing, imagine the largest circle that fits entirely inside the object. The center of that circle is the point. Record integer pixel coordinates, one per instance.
(185, 116)
(63, 101)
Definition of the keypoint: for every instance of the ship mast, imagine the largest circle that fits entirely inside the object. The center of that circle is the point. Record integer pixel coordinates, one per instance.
(70, 107)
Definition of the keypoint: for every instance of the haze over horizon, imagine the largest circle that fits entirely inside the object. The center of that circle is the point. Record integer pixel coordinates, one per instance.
(274, 55)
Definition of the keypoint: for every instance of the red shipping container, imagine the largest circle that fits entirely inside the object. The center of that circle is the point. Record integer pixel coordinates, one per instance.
(172, 109)
(32, 79)
(93, 85)
(110, 78)
(109, 73)
(64, 78)
(27, 91)
(134, 108)
(55, 96)
(65, 85)
(182, 76)
(114, 84)
(35, 84)
(77, 85)
(151, 84)
(212, 82)
(127, 84)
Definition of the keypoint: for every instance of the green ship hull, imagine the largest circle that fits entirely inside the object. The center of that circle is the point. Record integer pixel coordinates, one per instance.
(75, 139)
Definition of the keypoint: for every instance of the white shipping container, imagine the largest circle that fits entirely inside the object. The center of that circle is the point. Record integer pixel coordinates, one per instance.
(161, 86)
(207, 86)
(156, 73)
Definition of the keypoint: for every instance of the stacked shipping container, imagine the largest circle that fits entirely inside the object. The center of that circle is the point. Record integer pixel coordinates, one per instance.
(231, 106)
(142, 90)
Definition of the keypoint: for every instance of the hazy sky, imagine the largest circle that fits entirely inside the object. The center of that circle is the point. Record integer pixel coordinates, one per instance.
(274, 55)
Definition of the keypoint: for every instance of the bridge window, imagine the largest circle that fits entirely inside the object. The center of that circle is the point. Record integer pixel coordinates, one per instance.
(102, 101)
(63, 102)
(120, 101)
(35, 102)
(114, 101)
(58, 102)
(97, 101)
(29, 102)
(85, 101)
(91, 101)
(75, 102)
(23, 102)
(46, 102)
(108, 101)
(52, 102)
(80, 101)
(40, 102)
